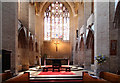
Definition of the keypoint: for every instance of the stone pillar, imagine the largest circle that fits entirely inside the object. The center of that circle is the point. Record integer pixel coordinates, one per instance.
(118, 51)
(73, 40)
(87, 13)
(101, 34)
(24, 13)
(113, 36)
(32, 18)
(0, 40)
(80, 54)
(23, 16)
(9, 31)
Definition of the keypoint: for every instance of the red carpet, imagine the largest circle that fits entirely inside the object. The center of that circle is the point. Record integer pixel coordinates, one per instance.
(56, 73)
(61, 66)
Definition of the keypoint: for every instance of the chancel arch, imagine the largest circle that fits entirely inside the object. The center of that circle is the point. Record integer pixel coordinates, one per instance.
(70, 8)
(63, 43)
(68, 5)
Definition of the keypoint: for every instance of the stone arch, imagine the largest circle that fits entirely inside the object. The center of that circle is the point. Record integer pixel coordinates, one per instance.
(36, 46)
(82, 44)
(117, 16)
(81, 54)
(76, 47)
(117, 25)
(25, 30)
(22, 39)
(31, 48)
(22, 49)
(90, 44)
(68, 5)
(90, 40)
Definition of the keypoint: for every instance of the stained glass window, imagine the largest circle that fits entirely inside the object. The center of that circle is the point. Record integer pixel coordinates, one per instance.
(56, 22)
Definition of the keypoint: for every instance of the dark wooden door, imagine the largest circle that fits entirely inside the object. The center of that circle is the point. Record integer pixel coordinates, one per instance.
(6, 60)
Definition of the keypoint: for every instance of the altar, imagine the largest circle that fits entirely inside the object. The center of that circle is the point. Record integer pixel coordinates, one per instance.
(57, 61)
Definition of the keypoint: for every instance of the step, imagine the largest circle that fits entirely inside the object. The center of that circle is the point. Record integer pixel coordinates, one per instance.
(57, 76)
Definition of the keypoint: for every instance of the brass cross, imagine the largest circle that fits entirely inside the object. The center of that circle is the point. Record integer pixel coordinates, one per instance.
(56, 43)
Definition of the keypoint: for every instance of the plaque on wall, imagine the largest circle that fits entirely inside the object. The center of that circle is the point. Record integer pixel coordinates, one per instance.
(113, 47)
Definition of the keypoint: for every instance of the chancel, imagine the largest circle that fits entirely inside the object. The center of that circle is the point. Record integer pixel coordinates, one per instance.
(60, 41)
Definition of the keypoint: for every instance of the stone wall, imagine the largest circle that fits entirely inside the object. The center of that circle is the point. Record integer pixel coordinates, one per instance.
(32, 18)
(39, 30)
(23, 13)
(87, 59)
(27, 55)
(63, 49)
(118, 62)
(102, 33)
(77, 55)
(105, 31)
(0, 38)
(9, 30)
(114, 35)
(83, 57)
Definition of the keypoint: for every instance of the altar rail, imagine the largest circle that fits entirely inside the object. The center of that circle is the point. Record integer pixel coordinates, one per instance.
(51, 61)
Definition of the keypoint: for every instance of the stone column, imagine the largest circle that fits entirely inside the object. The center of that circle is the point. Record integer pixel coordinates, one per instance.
(118, 51)
(101, 33)
(0, 40)
(24, 18)
(73, 38)
(87, 13)
(9, 31)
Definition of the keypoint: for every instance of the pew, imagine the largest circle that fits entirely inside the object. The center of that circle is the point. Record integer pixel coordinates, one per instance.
(113, 78)
(6, 75)
(89, 79)
(23, 78)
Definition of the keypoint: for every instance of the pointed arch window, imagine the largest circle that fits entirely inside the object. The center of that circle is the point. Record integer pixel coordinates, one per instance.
(56, 22)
